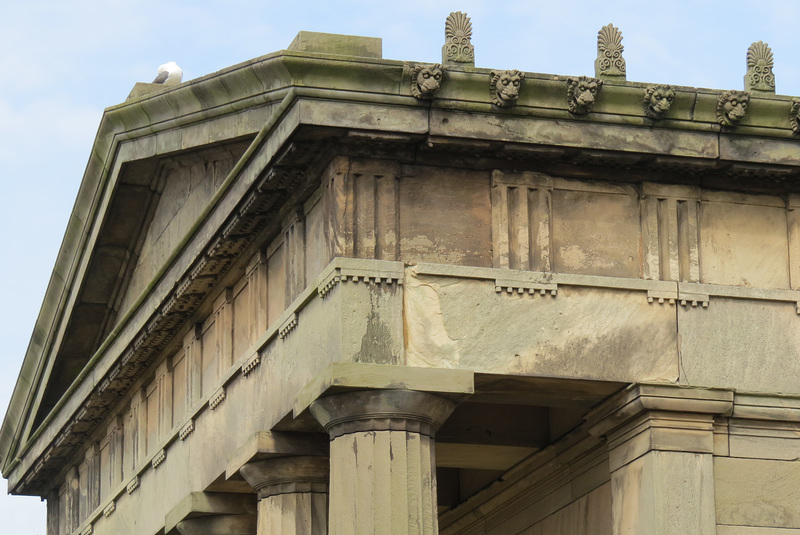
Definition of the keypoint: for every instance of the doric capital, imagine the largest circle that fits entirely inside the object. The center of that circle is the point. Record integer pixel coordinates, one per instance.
(265, 445)
(219, 525)
(205, 506)
(286, 475)
(382, 410)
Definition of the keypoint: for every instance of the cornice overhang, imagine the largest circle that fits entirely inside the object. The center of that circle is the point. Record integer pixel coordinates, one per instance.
(352, 100)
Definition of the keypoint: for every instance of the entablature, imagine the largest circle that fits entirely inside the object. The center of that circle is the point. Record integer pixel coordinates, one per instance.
(301, 108)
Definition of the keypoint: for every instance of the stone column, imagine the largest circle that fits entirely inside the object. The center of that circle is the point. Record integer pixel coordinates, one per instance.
(292, 494)
(218, 525)
(383, 470)
(661, 445)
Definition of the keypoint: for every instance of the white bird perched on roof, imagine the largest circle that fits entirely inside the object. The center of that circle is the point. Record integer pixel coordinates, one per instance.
(169, 74)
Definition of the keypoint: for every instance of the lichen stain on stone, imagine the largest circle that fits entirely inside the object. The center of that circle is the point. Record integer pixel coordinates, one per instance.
(579, 332)
(610, 353)
(376, 344)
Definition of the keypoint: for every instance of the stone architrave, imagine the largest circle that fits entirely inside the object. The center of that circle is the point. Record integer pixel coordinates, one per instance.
(383, 472)
(661, 446)
(292, 494)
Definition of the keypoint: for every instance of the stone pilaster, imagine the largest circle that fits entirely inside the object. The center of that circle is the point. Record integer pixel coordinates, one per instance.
(661, 444)
(383, 470)
(292, 494)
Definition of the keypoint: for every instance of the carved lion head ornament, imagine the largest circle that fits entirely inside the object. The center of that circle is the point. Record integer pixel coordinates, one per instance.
(794, 115)
(504, 86)
(426, 80)
(581, 93)
(732, 107)
(658, 100)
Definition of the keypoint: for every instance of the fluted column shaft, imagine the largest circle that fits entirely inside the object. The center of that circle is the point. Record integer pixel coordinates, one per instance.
(383, 470)
(292, 494)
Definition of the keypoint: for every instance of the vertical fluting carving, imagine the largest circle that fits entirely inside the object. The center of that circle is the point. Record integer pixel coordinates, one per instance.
(383, 473)
(609, 62)
(732, 107)
(297, 513)
(669, 234)
(521, 220)
(292, 494)
(458, 40)
(387, 480)
(759, 75)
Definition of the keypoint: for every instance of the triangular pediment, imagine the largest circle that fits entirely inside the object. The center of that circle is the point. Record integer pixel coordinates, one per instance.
(154, 204)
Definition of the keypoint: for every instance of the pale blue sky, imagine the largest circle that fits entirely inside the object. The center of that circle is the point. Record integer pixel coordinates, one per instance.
(61, 63)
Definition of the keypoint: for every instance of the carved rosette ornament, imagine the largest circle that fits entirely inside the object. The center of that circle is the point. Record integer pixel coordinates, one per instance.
(426, 80)
(505, 86)
(609, 62)
(794, 115)
(657, 101)
(732, 107)
(759, 75)
(458, 40)
(581, 93)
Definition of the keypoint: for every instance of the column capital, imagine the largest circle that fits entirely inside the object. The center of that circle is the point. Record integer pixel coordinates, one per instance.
(644, 418)
(219, 525)
(273, 444)
(286, 475)
(206, 505)
(382, 410)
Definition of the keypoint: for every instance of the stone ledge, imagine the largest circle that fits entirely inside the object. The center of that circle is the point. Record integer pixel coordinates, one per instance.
(350, 376)
(209, 503)
(765, 407)
(331, 43)
(271, 444)
(641, 398)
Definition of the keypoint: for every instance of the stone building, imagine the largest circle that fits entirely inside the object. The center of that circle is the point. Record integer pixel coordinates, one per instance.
(325, 292)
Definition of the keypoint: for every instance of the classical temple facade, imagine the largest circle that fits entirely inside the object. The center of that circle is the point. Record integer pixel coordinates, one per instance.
(326, 292)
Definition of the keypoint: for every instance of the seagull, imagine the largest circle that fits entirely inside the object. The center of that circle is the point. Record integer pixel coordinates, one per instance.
(169, 74)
